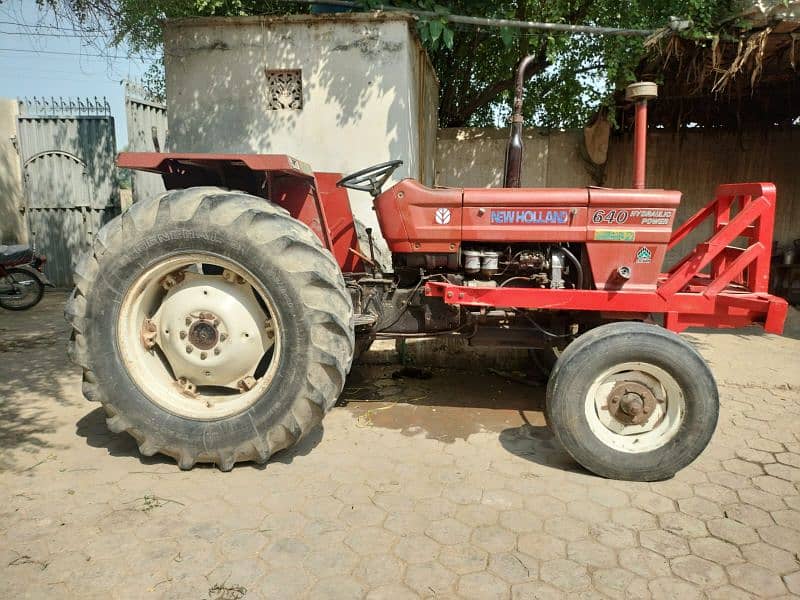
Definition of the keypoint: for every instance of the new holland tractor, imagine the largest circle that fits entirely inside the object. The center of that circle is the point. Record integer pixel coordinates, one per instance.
(217, 322)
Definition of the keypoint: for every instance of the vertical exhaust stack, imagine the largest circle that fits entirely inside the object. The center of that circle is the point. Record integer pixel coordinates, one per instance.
(640, 92)
(513, 166)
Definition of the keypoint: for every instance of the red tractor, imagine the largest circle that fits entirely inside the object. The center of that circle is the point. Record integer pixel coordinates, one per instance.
(217, 322)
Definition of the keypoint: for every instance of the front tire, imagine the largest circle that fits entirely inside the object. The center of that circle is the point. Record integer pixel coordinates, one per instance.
(212, 327)
(26, 290)
(632, 401)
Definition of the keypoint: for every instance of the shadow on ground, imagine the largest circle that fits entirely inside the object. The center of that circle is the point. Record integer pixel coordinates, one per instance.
(34, 374)
(92, 427)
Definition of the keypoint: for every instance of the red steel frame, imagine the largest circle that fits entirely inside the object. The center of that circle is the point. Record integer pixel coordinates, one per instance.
(733, 293)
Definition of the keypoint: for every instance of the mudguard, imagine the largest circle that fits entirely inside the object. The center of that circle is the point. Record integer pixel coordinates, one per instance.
(36, 273)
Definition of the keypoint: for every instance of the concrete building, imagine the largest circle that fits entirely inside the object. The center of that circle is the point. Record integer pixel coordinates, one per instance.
(340, 92)
(12, 218)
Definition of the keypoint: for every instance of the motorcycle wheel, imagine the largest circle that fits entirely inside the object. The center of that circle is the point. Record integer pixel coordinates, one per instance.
(20, 290)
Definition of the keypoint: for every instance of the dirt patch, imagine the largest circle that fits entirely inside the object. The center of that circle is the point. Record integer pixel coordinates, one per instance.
(434, 406)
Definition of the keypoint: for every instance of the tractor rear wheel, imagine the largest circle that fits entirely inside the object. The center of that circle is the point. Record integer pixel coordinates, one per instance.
(211, 325)
(632, 401)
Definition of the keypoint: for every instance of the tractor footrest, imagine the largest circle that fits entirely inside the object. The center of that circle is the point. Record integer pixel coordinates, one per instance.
(362, 321)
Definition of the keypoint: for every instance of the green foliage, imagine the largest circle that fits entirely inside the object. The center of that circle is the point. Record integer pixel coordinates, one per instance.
(572, 76)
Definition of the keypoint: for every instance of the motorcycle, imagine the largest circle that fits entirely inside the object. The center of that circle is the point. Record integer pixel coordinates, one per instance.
(22, 279)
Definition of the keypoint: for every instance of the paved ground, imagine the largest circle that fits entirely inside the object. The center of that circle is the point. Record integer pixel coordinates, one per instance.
(450, 491)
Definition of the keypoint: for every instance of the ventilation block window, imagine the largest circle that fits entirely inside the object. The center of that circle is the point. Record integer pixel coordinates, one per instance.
(284, 89)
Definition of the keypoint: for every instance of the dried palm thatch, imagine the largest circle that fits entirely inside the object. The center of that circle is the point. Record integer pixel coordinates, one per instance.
(737, 77)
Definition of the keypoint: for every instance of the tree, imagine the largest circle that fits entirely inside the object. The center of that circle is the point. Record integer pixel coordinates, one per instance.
(571, 77)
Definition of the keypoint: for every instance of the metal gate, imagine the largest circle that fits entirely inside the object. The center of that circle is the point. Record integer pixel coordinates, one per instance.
(67, 148)
(147, 132)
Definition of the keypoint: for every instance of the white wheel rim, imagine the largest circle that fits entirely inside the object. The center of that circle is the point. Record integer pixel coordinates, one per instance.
(663, 421)
(193, 342)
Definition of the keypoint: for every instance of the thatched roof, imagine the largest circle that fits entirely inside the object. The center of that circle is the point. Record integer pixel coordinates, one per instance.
(748, 73)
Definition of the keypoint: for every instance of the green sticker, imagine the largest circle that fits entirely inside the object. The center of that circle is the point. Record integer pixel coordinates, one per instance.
(614, 235)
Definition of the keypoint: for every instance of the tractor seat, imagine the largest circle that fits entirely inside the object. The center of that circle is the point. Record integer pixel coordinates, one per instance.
(15, 254)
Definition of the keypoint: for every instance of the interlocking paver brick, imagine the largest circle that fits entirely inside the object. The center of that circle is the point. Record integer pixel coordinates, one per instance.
(592, 554)
(392, 591)
(502, 499)
(542, 546)
(288, 581)
(743, 467)
(564, 574)
(406, 523)
(775, 559)
(666, 588)
(416, 549)
(781, 537)
(480, 514)
(514, 567)
(756, 580)
(774, 485)
(429, 579)
(482, 586)
(698, 570)
(701, 508)
(493, 538)
(665, 543)
(520, 520)
(792, 582)
(761, 499)
(463, 558)
(644, 562)
(787, 518)
(339, 587)
(613, 535)
(652, 502)
(732, 531)
(789, 458)
(634, 518)
(545, 506)
(379, 569)
(330, 560)
(621, 584)
(435, 508)
(759, 443)
(449, 531)
(730, 480)
(535, 590)
(716, 550)
(567, 528)
(683, 525)
(370, 540)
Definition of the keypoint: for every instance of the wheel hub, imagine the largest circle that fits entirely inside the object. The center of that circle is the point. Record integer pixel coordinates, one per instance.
(204, 334)
(212, 330)
(631, 402)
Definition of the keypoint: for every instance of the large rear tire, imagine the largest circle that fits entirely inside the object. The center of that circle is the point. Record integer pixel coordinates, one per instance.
(632, 401)
(211, 325)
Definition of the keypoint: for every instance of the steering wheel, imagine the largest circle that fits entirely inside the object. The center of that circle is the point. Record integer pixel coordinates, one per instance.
(370, 179)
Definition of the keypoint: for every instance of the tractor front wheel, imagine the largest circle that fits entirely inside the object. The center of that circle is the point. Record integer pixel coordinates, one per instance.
(632, 401)
(211, 325)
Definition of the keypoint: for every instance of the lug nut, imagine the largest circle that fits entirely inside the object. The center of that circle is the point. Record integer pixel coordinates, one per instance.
(188, 321)
(183, 335)
(216, 351)
(203, 355)
(188, 349)
(223, 337)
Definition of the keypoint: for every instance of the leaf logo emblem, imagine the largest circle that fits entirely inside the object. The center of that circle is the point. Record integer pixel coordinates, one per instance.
(442, 216)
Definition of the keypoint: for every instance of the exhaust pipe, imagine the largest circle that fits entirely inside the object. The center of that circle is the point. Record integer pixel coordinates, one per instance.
(513, 166)
(640, 93)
